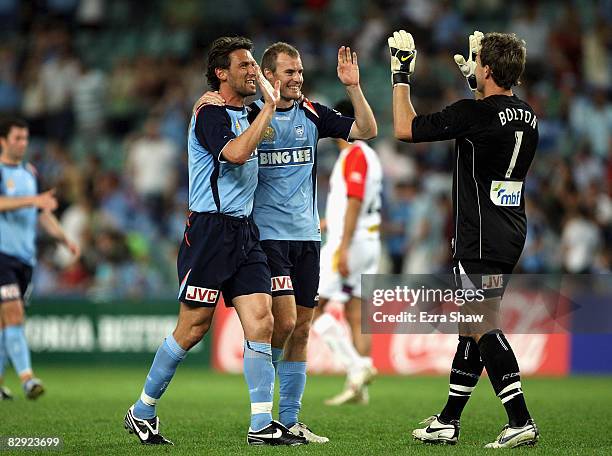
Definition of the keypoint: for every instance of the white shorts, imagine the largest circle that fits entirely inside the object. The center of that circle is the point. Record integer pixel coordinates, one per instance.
(363, 258)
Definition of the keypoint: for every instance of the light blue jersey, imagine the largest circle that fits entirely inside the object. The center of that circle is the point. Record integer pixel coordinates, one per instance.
(285, 199)
(216, 185)
(18, 227)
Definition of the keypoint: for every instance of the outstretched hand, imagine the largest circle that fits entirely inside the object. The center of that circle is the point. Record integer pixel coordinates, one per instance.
(271, 95)
(403, 56)
(468, 67)
(348, 69)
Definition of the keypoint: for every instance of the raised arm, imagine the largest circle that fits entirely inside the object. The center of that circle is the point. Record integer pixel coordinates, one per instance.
(348, 72)
(239, 149)
(403, 59)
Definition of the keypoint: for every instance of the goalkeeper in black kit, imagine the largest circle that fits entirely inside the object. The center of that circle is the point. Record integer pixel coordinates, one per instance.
(496, 135)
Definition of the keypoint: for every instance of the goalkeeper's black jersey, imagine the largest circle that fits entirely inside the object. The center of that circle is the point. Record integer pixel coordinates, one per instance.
(496, 140)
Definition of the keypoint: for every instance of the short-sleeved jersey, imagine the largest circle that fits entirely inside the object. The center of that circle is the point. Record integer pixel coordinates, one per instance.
(357, 173)
(496, 140)
(216, 185)
(18, 227)
(285, 199)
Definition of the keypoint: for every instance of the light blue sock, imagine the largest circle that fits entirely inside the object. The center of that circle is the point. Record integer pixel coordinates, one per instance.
(277, 355)
(292, 381)
(166, 360)
(259, 375)
(16, 347)
(3, 354)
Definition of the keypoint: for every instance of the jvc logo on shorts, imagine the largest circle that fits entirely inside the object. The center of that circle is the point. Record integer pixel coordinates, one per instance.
(286, 157)
(490, 282)
(506, 193)
(281, 283)
(10, 291)
(201, 294)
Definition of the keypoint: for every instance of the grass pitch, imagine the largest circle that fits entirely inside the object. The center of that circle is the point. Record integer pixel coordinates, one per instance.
(207, 413)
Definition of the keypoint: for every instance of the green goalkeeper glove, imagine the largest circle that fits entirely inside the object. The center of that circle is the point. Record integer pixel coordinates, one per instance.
(468, 67)
(403, 57)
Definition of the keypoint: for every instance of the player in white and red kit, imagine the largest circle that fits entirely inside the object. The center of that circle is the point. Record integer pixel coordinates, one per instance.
(352, 248)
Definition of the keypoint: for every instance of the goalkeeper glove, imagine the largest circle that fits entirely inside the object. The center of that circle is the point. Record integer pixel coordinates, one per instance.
(403, 57)
(468, 67)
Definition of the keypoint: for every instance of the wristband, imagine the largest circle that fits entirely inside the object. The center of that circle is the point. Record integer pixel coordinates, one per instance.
(401, 78)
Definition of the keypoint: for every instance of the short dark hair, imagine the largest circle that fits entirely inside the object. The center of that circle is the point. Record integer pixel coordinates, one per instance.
(345, 107)
(218, 56)
(7, 123)
(268, 60)
(505, 54)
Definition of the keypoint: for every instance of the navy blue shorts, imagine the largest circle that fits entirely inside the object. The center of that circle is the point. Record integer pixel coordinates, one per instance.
(220, 254)
(295, 269)
(490, 276)
(15, 277)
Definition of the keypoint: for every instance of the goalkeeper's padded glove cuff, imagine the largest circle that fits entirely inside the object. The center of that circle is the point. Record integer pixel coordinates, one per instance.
(401, 78)
(472, 84)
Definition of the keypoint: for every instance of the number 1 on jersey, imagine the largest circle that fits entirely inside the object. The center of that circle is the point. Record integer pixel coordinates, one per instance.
(518, 136)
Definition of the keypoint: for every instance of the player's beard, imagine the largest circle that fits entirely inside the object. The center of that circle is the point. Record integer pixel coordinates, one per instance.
(17, 154)
(243, 89)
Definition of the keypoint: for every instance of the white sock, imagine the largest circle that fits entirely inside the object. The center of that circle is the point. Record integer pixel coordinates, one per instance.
(330, 330)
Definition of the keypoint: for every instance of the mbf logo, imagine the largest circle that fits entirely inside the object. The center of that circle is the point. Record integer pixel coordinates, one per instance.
(202, 294)
(506, 193)
(299, 130)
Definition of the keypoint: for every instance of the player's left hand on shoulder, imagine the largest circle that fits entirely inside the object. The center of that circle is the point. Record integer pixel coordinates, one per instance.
(403, 56)
(209, 98)
(348, 69)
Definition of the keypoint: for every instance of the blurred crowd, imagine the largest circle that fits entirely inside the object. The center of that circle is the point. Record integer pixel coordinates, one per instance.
(108, 86)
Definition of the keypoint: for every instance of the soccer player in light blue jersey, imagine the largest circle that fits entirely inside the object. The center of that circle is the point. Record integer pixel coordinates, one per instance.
(22, 206)
(220, 252)
(286, 211)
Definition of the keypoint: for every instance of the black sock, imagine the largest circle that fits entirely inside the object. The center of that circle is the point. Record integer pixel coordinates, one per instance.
(465, 372)
(503, 371)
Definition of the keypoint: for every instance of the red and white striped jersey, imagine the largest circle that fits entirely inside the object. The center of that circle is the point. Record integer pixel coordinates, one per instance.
(357, 173)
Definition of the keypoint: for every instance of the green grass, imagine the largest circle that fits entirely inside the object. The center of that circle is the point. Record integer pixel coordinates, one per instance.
(207, 413)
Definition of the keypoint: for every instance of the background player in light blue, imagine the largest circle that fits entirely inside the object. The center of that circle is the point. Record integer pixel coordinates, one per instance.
(220, 252)
(286, 211)
(21, 208)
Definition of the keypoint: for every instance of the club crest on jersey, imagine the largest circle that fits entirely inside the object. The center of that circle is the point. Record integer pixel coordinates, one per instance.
(299, 130)
(506, 193)
(269, 135)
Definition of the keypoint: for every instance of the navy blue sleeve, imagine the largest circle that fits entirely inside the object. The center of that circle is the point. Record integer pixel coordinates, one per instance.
(452, 122)
(329, 122)
(213, 129)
